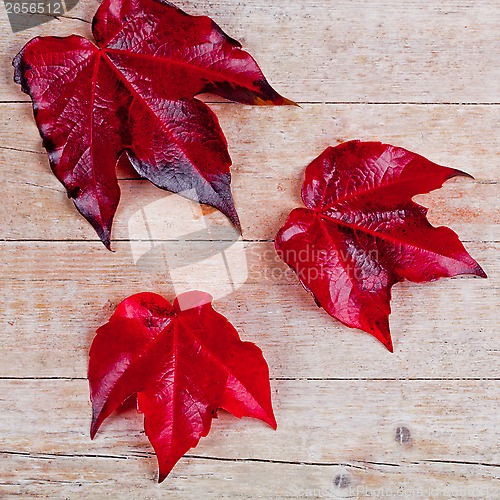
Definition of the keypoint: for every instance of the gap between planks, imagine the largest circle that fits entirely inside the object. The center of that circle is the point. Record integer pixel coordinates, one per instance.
(317, 379)
(333, 103)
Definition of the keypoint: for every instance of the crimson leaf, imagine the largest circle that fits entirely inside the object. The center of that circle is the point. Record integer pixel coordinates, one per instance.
(184, 361)
(361, 232)
(133, 94)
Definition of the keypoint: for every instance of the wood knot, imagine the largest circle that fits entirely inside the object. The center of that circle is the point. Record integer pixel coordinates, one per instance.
(342, 481)
(403, 435)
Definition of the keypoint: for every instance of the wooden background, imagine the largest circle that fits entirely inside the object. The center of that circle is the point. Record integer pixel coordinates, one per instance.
(353, 418)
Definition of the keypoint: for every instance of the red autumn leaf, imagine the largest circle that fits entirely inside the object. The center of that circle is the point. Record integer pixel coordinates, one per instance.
(133, 94)
(361, 232)
(184, 361)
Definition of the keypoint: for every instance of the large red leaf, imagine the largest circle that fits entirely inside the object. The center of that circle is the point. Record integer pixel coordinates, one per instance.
(134, 94)
(184, 362)
(361, 232)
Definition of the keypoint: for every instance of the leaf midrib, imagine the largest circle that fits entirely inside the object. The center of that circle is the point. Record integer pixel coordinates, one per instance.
(138, 96)
(220, 363)
(391, 185)
(205, 72)
(379, 234)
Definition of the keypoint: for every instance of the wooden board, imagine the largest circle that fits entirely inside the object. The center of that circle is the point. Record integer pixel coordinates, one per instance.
(343, 51)
(413, 437)
(54, 304)
(354, 420)
(270, 148)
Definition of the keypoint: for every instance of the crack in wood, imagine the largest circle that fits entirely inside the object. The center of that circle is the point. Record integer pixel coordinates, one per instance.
(23, 150)
(146, 454)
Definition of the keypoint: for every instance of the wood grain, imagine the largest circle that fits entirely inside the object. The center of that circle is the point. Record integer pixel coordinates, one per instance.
(350, 50)
(354, 421)
(365, 447)
(270, 148)
(95, 477)
(57, 294)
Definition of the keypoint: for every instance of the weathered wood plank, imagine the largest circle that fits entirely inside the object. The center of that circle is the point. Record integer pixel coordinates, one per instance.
(445, 420)
(93, 477)
(449, 439)
(270, 150)
(339, 396)
(350, 50)
(54, 295)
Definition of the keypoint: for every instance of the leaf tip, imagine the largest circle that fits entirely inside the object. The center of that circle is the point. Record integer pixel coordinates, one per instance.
(289, 102)
(93, 430)
(382, 334)
(107, 244)
(480, 272)
(94, 424)
(461, 173)
(163, 472)
(272, 423)
(274, 99)
(387, 341)
(21, 67)
(104, 233)
(236, 222)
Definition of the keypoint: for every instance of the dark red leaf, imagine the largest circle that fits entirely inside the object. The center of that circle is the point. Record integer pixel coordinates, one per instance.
(184, 362)
(133, 94)
(361, 232)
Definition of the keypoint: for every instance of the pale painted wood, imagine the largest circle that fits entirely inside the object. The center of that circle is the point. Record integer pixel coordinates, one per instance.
(270, 148)
(339, 396)
(98, 477)
(56, 294)
(350, 50)
(325, 431)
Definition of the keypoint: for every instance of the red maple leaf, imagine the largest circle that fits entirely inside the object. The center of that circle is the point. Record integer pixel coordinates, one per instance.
(184, 361)
(361, 232)
(133, 94)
